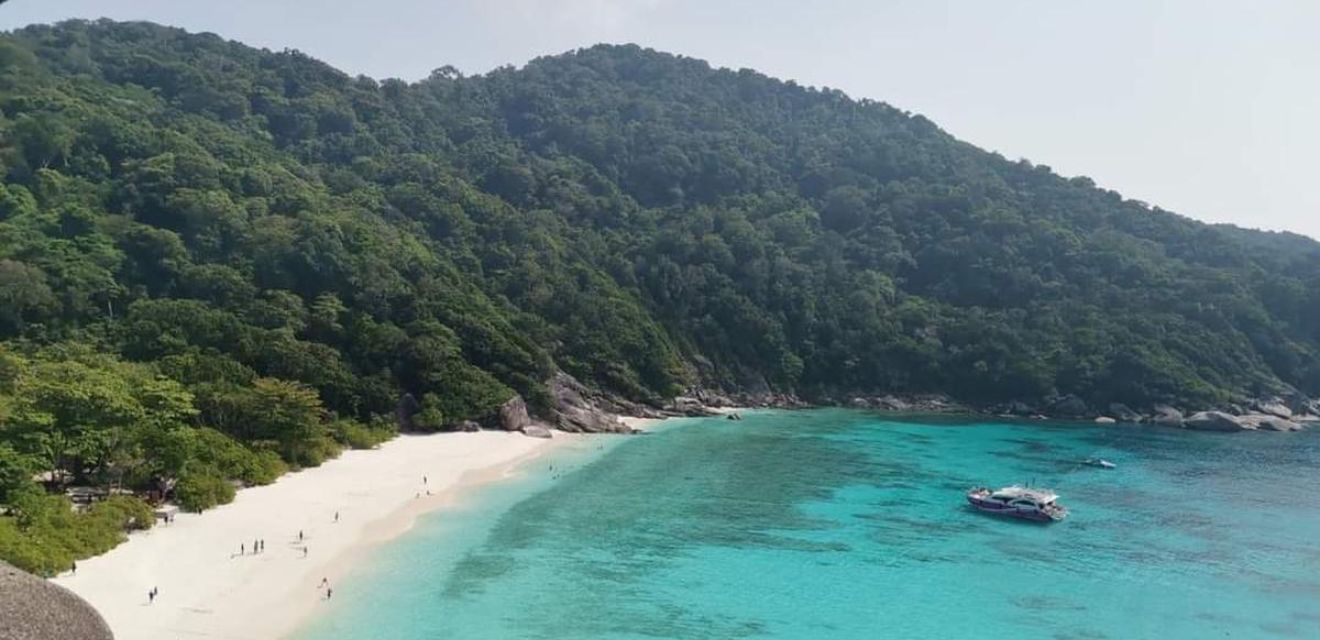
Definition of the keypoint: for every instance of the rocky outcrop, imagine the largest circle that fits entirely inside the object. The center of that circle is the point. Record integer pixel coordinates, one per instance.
(1123, 413)
(513, 414)
(1167, 416)
(1274, 407)
(1068, 406)
(1269, 423)
(578, 409)
(1214, 421)
(467, 425)
(1105, 420)
(537, 431)
(932, 403)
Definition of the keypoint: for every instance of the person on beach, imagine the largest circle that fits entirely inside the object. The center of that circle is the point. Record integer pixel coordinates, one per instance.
(325, 583)
(329, 592)
(151, 596)
(300, 537)
(304, 552)
(75, 568)
(423, 479)
(242, 550)
(336, 516)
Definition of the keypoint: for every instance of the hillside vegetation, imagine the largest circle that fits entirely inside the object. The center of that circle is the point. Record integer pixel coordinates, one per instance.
(217, 262)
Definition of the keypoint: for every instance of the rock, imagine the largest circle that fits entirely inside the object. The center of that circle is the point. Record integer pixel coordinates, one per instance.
(1105, 420)
(1123, 412)
(1167, 416)
(1306, 418)
(1275, 407)
(468, 425)
(513, 414)
(404, 410)
(1269, 423)
(1214, 421)
(891, 403)
(859, 403)
(1019, 408)
(537, 431)
(36, 609)
(1069, 406)
(577, 409)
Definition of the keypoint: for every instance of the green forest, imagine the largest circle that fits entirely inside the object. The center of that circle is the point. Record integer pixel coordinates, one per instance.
(218, 263)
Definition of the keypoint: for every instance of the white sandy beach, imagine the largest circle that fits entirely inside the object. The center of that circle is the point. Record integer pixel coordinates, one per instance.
(208, 590)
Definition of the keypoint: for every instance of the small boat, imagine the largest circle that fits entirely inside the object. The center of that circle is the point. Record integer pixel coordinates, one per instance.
(1040, 505)
(1099, 462)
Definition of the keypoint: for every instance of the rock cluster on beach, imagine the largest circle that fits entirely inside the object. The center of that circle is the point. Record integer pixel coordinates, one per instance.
(34, 609)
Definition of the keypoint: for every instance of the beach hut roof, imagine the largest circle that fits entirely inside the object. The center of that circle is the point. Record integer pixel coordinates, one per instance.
(34, 609)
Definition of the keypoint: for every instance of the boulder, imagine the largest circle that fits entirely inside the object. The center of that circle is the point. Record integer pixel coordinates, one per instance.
(1167, 416)
(1069, 406)
(1275, 407)
(467, 425)
(577, 409)
(1269, 423)
(1123, 412)
(1215, 421)
(1105, 420)
(1019, 408)
(537, 431)
(513, 414)
(892, 403)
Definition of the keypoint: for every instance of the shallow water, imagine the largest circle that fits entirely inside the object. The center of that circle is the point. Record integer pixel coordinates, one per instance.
(843, 524)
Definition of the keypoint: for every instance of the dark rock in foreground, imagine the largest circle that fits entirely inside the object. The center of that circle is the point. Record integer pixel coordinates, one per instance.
(34, 609)
(537, 431)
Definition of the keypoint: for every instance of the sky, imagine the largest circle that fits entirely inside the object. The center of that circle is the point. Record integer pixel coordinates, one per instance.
(1210, 108)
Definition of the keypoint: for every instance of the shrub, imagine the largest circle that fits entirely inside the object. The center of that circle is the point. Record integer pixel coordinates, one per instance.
(356, 435)
(203, 490)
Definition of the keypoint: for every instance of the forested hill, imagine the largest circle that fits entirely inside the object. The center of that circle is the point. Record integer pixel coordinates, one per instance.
(233, 219)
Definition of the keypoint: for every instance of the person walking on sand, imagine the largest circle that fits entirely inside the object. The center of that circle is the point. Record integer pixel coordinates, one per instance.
(304, 552)
(75, 568)
(325, 583)
(329, 592)
(300, 537)
(423, 479)
(151, 596)
(242, 550)
(336, 516)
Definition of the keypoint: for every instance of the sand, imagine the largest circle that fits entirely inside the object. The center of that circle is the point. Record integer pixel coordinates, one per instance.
(207, 589)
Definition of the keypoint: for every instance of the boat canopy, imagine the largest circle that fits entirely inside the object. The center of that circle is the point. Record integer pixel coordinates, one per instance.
(1042, 496)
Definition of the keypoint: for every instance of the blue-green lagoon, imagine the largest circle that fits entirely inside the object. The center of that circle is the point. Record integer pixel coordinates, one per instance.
(844, 524)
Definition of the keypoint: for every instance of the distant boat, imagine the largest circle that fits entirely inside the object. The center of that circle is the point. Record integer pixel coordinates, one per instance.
(1099, 462)
(1039, 505)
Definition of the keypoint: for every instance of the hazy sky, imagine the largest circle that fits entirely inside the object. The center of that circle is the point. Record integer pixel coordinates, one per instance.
(1210, 108)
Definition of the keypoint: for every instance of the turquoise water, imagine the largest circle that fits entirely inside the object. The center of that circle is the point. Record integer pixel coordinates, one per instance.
(842, 524)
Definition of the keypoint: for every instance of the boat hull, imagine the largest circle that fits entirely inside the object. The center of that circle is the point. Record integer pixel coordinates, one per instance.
(1000, 509)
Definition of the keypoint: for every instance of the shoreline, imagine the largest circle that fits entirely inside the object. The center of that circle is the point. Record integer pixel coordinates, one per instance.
(342, 509)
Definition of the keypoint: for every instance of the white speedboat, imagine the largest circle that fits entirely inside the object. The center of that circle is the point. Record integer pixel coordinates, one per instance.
(1099, 462)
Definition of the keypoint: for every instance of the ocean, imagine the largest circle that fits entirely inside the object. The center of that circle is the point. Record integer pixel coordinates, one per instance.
(851, 525)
